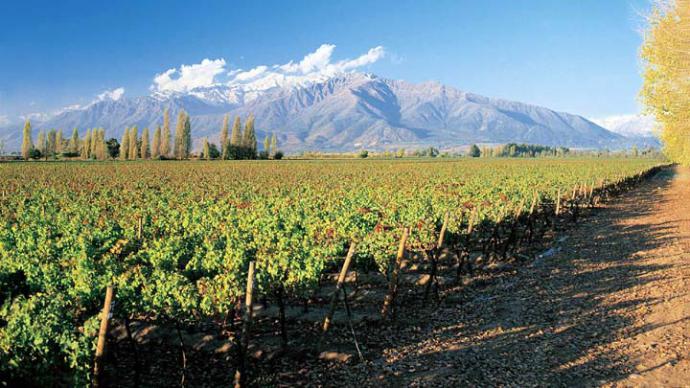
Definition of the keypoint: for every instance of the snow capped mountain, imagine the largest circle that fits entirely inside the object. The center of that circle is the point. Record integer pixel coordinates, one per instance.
(345, 111)
(629, 125)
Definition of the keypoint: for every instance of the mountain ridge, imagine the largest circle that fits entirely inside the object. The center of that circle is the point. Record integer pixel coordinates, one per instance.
(348, 112)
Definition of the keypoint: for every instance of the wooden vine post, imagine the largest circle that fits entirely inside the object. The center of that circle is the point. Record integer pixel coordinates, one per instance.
(241, 373)
(558, 203)
(339, 285)
(102, 336)
(393, 283)
(433, 281)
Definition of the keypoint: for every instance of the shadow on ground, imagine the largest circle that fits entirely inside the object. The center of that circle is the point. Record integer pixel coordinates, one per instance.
(551, 323)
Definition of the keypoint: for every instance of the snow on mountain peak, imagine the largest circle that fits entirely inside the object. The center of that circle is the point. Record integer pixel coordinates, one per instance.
(635, 125)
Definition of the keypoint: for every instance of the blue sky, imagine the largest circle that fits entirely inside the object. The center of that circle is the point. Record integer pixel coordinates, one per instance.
(578, 56)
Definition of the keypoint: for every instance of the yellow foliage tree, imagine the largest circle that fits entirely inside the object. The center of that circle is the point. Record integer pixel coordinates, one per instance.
(666, 89)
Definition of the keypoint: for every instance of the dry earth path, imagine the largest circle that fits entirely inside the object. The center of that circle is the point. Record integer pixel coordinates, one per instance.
(610, 308)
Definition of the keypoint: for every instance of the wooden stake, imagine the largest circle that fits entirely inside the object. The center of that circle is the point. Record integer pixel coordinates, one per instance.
(434, 258)
(393, 283)
(102, 334)
(241, 373)
(558, 203)
(535, 198)
(338, 287)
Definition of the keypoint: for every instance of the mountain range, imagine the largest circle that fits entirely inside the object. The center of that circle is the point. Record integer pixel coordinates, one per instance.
(346, 112)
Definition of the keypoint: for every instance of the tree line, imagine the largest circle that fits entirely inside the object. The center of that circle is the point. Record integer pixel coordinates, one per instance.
(241, 143)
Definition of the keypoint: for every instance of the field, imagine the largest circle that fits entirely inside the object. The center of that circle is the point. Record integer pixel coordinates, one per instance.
(175, 239)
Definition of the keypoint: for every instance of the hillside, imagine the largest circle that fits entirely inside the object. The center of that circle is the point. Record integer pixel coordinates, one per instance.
(348, 112)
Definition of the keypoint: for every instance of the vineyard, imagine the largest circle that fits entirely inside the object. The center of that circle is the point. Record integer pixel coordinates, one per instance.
(178, 245)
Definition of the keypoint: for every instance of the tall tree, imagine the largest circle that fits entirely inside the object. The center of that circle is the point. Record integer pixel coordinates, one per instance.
(206, 153)
(124, 145)
(236, 136)
(51, 143)
(133, 143)
(666, 84)
(94, 144)
(27, 142)
(145, 151)
(267, 146)
(156, 144)
(59, 142)
(274, 145)
(187, 137)
(73, 146)
(224, 133)
(41, 142)
(86, 145)
(165, 135)
(179, 129)
(249, 138)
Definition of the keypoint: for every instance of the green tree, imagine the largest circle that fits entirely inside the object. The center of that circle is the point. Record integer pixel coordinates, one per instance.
(156, 144)
(165, 135)
(73, 146)
(51, 143)
(224, 132)
(27, 142)
(475, 152)
(133, 152)
(187, 137)
(249, 138)
(145, 151)
(41, 142)
(183, 136)
(124, 145)
(113, 148)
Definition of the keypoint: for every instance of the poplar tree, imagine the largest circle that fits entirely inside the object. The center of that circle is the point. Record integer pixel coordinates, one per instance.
(236, 136)
(274, 145)
(86, 145)
(73, 146)
(124, 145)
(249, 138)
(156, 144)
(267, 146)
(179, 129)
(206, 150)
(27, 142)
(104, 146)
(94, 144)
(41, 143)
(133, 146)
(187, 137)
(224, 133)
(145, 151)
(59, 143)
(52, 143)
(164, 150)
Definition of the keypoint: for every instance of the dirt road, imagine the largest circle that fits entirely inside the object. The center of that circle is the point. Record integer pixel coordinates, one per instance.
(611, 308)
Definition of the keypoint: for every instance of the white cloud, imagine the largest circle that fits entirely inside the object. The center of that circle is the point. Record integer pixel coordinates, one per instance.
(4, 120)
(189, 76)
(114, 94)
(315, 66)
